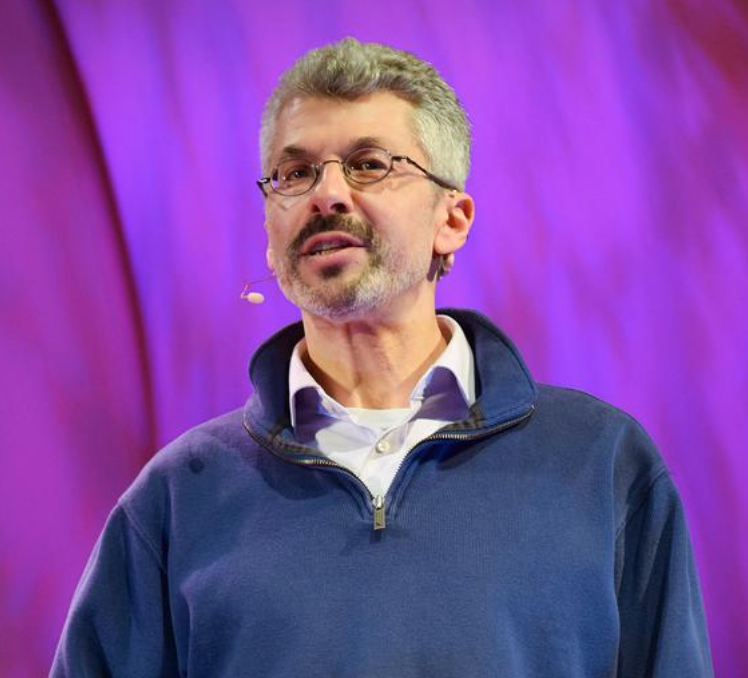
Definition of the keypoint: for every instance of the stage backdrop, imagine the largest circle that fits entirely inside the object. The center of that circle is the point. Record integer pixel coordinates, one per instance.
(611, 179)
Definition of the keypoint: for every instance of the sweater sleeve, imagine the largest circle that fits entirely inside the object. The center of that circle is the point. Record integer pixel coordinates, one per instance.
(663, 629)
(119, 622)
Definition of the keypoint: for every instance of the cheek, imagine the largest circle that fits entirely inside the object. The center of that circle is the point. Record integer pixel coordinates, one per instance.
(272, 235)
(276, 253)
(275, 246)
(275, 228)
(423, 222)
(283, 222)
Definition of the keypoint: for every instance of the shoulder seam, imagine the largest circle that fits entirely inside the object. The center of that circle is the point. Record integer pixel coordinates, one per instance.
(141, 534)
(645, 498)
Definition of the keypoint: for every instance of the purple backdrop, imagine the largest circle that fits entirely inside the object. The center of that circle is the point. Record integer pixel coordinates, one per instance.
(611, 178)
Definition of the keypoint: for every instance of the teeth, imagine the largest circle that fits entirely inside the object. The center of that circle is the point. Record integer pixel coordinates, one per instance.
(326, 249)
(329, 245)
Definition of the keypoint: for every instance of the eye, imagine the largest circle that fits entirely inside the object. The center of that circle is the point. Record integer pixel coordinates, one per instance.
(368, 164)
(293, 172)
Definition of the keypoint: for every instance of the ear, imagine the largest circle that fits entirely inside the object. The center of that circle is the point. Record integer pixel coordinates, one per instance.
(269, 253)
(451, 234)
(270, 259)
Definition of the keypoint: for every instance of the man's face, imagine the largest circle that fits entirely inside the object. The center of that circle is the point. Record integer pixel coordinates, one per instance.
(345, 251)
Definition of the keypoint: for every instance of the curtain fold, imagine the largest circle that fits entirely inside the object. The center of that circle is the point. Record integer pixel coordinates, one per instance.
(610, 171)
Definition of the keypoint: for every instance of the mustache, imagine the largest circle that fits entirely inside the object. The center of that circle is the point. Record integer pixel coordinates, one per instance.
(342, 223)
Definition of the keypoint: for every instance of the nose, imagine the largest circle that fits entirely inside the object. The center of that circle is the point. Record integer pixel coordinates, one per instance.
(332, 194)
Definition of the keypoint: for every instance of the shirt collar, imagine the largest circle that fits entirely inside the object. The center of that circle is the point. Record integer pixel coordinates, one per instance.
(457, 359)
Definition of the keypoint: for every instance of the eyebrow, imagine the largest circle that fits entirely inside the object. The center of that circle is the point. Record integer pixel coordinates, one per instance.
(293, 151)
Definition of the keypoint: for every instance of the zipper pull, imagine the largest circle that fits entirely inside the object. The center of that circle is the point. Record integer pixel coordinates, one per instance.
(378, 503)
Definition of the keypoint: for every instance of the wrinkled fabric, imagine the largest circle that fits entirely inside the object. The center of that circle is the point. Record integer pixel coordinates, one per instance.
(541, 536)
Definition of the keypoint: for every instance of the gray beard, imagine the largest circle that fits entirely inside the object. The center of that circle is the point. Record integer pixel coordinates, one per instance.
(386, 274)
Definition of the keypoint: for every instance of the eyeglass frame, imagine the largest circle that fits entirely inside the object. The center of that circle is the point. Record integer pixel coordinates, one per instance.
(317, 168)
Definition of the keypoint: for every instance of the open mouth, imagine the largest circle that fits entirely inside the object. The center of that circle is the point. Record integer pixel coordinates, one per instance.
(328, 243)
(327, 248)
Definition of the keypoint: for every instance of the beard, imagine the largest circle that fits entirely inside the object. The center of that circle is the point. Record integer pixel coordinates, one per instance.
(339, 295)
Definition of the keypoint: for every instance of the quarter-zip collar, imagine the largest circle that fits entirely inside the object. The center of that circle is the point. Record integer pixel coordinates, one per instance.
(505, 390)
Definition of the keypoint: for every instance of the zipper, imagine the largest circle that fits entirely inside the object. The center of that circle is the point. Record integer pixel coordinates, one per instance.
(457, 436)
(378, 502)
(379, 519)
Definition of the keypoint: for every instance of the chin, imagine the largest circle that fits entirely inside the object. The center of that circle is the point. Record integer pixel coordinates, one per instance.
(347, 302)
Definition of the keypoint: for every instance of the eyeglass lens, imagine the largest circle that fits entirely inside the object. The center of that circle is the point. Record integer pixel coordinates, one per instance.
(363, 166)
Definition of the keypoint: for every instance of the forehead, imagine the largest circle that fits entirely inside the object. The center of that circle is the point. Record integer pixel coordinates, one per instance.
(322, 126)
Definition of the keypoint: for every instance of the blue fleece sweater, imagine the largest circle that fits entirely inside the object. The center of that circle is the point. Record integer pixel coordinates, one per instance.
(540, 537)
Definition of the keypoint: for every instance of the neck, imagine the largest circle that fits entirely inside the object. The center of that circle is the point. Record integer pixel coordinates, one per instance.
(373, 363)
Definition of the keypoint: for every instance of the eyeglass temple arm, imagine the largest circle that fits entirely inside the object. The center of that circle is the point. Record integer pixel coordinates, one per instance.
(261, 183)
(433, 177)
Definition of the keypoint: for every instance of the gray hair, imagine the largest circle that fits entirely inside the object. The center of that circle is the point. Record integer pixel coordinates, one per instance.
(350, 69)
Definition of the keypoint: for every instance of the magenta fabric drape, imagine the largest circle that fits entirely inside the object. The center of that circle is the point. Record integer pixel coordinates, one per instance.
(611, 178)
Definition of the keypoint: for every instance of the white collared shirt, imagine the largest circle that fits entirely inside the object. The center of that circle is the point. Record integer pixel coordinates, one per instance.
(373, 443)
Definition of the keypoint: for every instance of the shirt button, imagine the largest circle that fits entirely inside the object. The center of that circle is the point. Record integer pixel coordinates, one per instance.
(382, 446)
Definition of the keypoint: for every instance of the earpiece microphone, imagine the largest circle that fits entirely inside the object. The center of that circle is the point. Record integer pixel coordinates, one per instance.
(254, 297)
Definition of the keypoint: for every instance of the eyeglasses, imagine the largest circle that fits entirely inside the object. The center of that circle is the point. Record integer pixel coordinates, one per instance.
(363, 167)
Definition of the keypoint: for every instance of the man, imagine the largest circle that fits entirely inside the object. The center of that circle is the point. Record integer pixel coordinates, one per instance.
(398, 497)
